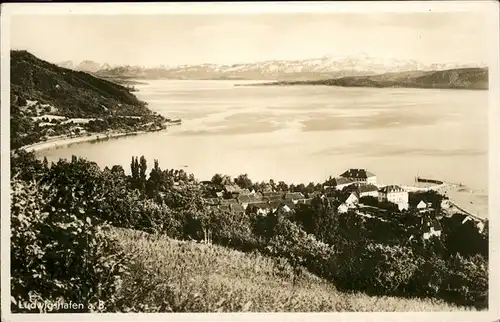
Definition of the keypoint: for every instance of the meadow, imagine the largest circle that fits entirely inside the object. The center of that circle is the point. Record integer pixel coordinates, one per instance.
(185, 276)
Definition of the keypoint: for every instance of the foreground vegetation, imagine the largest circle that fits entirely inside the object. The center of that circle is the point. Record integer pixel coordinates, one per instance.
(178, 276)
(64, 247)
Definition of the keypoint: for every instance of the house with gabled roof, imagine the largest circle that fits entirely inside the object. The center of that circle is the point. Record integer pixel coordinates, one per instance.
(394, 194)
(287, 206)
(360, 175)
(422, 205)
(294, 196)
(350, 202)
(352, 199)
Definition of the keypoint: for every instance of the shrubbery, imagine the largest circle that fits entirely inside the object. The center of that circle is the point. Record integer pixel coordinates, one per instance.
(60, 254)
(61, 249)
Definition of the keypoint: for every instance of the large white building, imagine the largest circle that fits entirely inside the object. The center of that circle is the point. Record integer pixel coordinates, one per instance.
(360, 175)
(394, 194)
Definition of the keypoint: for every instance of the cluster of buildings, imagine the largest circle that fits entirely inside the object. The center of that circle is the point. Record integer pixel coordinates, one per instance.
(235, 199)
(361, 183)
(366, 185)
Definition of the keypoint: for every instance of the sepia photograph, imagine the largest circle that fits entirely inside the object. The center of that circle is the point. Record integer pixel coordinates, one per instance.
(249, 158)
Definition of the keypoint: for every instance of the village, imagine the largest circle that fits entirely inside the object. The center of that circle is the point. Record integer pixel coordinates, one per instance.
(355, 190)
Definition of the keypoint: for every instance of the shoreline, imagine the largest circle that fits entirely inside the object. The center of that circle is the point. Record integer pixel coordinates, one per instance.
(67, 141)
(306, 83)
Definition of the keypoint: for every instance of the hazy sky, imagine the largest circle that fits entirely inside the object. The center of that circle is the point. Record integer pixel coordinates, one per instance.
(228, 39)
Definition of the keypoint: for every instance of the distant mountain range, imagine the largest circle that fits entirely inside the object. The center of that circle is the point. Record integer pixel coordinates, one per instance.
(326, 67)
(458, 78)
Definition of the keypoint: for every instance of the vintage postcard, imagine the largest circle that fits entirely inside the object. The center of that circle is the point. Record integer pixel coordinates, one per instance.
(243, 161)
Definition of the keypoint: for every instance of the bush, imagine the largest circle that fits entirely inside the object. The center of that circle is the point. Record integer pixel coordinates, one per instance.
(369, 201)
(60, 254)
(300, 248)
(375, 268)
(234, 230)
(467, 281)
(429, 277)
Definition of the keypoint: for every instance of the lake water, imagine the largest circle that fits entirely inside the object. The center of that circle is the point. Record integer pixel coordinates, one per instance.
(307, 133)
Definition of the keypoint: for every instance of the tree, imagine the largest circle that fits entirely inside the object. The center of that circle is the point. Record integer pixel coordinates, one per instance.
(118, 170)
(154, 181)
(310, 187)
(243, 181)
(273, 184)
(134, 167)
(299, 188)
(217, 179)
(282, 186)
(45, 163)
(142, 169)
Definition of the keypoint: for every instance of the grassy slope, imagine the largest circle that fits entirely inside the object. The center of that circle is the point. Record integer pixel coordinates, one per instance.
(464, 78)
(75, 94)
(191, 277)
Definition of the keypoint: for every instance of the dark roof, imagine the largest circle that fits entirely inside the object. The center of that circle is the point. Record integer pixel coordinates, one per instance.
(272, 194)
(367, 188)
(391, 189)
(357, 173)
(340, 181)
(294, 195)
(248, 198)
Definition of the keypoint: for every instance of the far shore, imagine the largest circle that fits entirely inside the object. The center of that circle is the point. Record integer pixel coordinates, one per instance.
(66, 141)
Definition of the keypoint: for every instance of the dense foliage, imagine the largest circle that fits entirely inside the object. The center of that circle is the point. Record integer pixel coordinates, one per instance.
(39, 88)
(60, 250)
(373, 254)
